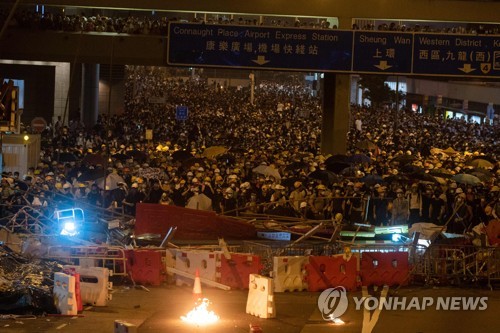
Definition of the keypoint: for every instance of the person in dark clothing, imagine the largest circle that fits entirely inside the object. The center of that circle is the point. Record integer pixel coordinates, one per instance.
(155, 194)
(228, 203)
(94, 197)
(380, 205)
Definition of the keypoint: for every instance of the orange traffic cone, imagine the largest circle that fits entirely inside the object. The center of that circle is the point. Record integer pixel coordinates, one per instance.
(197, 286)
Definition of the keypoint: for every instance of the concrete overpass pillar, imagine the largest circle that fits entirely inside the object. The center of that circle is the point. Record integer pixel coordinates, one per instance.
(336, 103)
(90, 94)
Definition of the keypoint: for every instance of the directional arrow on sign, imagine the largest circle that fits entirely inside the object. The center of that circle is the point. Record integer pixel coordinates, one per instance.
(467, 68)
(383, 65)
(261, 60)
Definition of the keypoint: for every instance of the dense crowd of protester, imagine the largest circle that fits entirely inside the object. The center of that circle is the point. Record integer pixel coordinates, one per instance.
(54, 19)
(238, 158)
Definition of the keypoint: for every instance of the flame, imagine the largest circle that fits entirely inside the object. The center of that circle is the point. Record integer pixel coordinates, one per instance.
(200, 315)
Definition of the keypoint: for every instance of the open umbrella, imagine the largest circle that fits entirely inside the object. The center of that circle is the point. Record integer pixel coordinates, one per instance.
(267, 170)
(192, 161)
(399, 178)
(238, 150)
(227, 158)
(480, 163)
(296, 166)
(181, 155)
(337, 158)
(422, 176)
(67, 157)
(325, 176)
(372, 180)
(289, 182)
(111, 181)
(359, 158)
(120, 157)
(214, 151)
(410, 168)
(138, 155)
(200, 202)
(465, 178)
(91, 174)
(441, 173)
(404, 159)
(94, 159)
(337, 167)
(450, 151)
(485, 157)
(366, 144)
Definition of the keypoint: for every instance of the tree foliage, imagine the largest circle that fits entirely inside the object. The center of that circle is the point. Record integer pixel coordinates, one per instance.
(377, 91)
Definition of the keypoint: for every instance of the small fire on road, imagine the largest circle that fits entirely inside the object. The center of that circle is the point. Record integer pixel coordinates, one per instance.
(201, 315)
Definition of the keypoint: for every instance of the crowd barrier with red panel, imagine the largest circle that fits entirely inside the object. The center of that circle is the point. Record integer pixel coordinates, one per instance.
(191, 224)
(325, 272)
(78, 293)
(236, 271)
(384, 268)
(146, 266)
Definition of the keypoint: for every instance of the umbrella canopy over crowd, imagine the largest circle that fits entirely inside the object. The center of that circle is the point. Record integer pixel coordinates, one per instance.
(236, 158)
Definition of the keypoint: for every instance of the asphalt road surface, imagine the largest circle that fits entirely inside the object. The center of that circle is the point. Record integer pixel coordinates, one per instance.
(160, 309)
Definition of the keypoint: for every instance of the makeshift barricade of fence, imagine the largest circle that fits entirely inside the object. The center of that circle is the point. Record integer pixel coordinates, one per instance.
(110, 257)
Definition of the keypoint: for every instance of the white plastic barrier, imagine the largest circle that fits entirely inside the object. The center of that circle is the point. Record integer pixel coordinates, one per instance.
(190, 260)
(94, 284)
(64, 294)
(260, 301)
(289, 273)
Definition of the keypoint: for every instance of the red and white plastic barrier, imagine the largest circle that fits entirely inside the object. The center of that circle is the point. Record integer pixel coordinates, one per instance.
(235, 272)
(289, 273)
(94, 284)
(384, 268)
(189, 261)
(64, 294)
(260, 301)
(325, 272)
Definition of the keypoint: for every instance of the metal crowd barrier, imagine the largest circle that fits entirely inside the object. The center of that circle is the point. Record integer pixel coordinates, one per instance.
(110, 257)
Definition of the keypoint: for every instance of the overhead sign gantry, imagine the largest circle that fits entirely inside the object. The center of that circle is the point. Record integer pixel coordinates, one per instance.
(342, 51)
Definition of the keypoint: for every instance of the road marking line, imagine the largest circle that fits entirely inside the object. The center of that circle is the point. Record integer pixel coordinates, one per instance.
(369, 321)
(60, 326)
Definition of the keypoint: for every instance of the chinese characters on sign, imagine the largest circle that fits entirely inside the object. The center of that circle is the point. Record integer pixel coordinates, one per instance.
(333, 50)
(235, 46)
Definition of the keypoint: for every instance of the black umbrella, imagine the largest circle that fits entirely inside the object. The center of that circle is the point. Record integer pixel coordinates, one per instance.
(337, 167)
(337, 158)
(372, 180)
(67, 157)
(359, 158)
(485, 157)
(138, 155)
(396, 178)
(226, 158)
(404, 159)
(366, 144)
(181, 155)
(441, 174)
(289, 182)
(296, 166)
(94, 159)
(238, 150)
(410, 168)
(91, 174)
(325, 176)
(192, 161)
(422, 176)
(120, 157)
